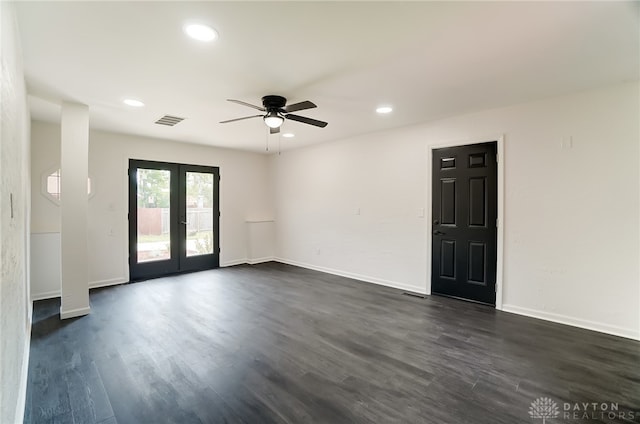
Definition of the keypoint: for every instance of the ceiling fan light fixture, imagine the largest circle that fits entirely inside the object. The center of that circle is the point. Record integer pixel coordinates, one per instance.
(277, 111)
(273, 120)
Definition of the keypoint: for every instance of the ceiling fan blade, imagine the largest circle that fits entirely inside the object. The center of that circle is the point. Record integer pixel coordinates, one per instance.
(240, 119)
(306, 120)
(274, 130)
(240, 102)
(299, 106)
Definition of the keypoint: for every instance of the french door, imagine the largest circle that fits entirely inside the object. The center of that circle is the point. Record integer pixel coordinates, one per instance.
(174, 218)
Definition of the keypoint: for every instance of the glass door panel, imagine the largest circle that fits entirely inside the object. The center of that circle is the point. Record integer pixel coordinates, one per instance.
(153, 212)
(199, 203)
(199, 217)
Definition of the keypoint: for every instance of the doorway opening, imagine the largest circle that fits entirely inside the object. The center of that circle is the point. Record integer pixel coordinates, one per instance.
(174, 218)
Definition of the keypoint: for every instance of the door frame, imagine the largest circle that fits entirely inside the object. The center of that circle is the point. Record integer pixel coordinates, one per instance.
(154, 267)
(127, 158)
(500, 233)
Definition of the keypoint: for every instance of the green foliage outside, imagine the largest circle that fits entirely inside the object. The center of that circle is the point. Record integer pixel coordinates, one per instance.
(154, 189)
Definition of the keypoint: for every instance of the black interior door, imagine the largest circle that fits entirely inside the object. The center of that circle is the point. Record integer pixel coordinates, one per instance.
(464, 231)
(173, 218)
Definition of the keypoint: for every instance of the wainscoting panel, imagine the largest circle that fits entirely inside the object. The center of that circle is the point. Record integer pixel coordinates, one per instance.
(45, 265)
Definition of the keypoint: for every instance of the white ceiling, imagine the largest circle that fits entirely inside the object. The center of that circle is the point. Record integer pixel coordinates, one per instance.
(427, 59)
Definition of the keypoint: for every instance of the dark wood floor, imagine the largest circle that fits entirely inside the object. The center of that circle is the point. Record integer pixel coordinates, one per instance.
(273, 343)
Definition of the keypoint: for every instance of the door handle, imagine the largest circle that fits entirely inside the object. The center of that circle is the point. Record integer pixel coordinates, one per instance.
(184, 222)
(438, 233)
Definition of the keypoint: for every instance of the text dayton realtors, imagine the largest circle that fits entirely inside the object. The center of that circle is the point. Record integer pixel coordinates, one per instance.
(596, 411)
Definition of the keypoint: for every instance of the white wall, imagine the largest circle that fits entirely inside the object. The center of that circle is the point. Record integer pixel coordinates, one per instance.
(260, 241)
(571, 215)
(15, 309)
(244, 195)
(45, 216)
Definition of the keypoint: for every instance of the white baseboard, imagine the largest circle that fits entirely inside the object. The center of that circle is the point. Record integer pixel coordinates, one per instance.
(247, 261)
(355, 276)
(78, 312)
(24, 375)
(233, 262)
(92, 285)
(261, 260)
(45, 295)
(575, 322)
(107, 283)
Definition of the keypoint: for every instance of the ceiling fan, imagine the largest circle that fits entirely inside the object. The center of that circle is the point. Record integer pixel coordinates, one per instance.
(277, 111)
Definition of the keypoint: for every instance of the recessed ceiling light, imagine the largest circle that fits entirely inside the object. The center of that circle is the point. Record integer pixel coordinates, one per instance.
(288, 135)
(384, 109)
(200, 32)
(133, 102)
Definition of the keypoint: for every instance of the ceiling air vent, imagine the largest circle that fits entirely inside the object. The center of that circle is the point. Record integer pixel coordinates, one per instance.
(169, 120)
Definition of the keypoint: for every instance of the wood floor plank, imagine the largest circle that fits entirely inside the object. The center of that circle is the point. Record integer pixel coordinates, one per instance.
(274, 343)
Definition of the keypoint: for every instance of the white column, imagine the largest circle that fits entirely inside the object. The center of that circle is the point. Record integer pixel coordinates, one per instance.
(74, 169)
